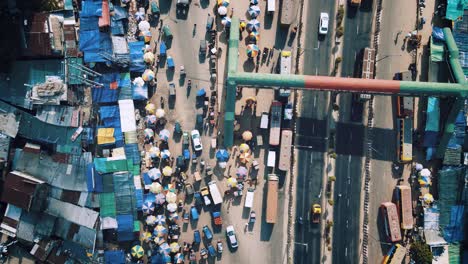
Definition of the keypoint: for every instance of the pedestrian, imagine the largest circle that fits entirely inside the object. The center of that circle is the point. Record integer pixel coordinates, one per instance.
(246, 227)
(294, 30)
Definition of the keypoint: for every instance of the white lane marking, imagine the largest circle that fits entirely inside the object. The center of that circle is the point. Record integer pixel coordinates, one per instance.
(357, 29)
(348, 202)
(316, 71)
(346, 224)
(315, 97)
(346, 252)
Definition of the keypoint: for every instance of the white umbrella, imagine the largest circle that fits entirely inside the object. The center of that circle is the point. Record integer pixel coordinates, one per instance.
(175, 247)
(147, 207)
(160, 198)
(150, 220)
(154, 174)
(165, 154)
(418, 167)
(171, 197)
(425, 173)
(222, 10)
(144, 25)
(139, 82)
(172, 207)
(160, 219)
(167, 171)
(254, 11)
(154, 152)
(140, 15)
(164, 134)
(155, 187)
(160, 113)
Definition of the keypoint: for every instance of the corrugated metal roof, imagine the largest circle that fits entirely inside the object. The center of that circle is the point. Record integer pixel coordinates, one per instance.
(26, 225)
(59, 115)
(19, 189)
(9, 119)
(79, 215)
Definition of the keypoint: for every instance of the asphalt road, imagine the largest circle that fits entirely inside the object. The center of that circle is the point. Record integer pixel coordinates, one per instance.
(312, 132)
(349, 141)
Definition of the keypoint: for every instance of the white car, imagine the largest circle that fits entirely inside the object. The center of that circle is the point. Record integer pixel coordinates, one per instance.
(231, 234)
(196, 140)
(323, 26)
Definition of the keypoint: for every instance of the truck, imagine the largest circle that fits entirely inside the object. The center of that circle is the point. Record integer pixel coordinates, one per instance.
(271, 6)
(316, 212)
(272, 199)
(205, 194)
(367, 67)
(214, 191)
(275, 123)
(285, 69)
(217, 218)
(285, 150)
(249, 198)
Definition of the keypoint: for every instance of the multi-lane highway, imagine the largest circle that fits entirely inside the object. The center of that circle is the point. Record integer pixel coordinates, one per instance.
(349, 141)
(312, 130)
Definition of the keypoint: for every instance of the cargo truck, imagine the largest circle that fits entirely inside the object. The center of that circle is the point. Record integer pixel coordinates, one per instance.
(275, 123)
(214, 191)
(272, 199)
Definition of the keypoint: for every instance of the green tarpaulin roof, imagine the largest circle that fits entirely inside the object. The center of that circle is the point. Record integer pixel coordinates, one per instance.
(105, 165)
(107, 202)
(437, 51)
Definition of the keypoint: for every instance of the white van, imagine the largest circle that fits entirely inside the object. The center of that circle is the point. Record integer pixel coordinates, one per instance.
(249, 198)
(215, 194)
(271, 6)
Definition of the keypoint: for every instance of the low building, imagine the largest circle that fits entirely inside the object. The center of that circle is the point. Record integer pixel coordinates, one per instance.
(24, 191)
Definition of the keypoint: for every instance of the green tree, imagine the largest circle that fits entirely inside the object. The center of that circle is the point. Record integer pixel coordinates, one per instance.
(421, 253)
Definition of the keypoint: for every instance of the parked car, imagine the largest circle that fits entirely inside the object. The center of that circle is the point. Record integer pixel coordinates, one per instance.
(231, 234)
(211, 250)
(323, 25)
(196, 237)
(196, 140)
(207, 232)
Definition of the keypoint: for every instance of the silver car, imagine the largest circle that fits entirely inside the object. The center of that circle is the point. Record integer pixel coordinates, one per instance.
(231, 235)
(196, 140)
(323, 25)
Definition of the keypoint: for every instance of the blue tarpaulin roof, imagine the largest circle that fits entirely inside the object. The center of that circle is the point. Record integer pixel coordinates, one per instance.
(139, 92)
(125, 86)
(125, 223)
(114, 257)
(146, 179)
(110, 115)
(89, 23)
(117, 27)
(132, 153)
(139, 198)
(91, 8)
(433, 114)
(105, 94)
(94, 178)
(136, 56)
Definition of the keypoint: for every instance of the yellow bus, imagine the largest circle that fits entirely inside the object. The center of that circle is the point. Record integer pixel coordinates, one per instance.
(395, 255)
(405, 139)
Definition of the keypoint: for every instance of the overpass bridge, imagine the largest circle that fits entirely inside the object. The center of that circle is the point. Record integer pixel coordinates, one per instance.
(458, 91)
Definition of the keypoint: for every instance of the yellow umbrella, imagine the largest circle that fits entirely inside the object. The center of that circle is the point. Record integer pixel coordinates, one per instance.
(245, 157)
(175, 247)
(244, 148)
(428, 198)
(167, 171)
(150, 108)
(148, 57)
(159, 240)
(146, 236)
(223, 2)
(232, 182)
(247, 135)
(137, 251)
(242, 25)
(171, 197)
(155, 187)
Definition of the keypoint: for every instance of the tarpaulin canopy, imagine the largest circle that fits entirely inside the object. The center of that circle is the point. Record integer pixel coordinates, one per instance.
(105, 136)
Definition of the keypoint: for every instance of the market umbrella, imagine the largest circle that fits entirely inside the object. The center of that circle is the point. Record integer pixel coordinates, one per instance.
(428, 198)
(254, 2)
(144, 25)
(164, 248)
(223, 2)
(222, 155)
(425, 172)
(231, 182)
(148, 57)
(167, 171)
(175, 247)
(425, 181)
(165, 154)
(159, 240)
(222, 10)
(241, 171)
(151, 220)
(160, 198)
(138, 81)
(160, 219)
(160, 113)
(171, 197)
(139, 16)
(242, 25)
(145, 36)
(254, 11)
(148, 75)
(172, 207)
(222, 165)
(154, 174)
(418, 167)
(154, 152)
(247, 135)
(179, 258)
(149, 133)
(155, 187)
(150, 120)
(253, 25)
(146, 236)
(169, 188)
(164, 134)
(137, 251)
(244, 148)
(150, 108)
(252, 50)
(226, 21)
(201, 92)
(174, 217)
(147, 207)
(166, 258)
(245, 157)
(254, 36)
(160, 231)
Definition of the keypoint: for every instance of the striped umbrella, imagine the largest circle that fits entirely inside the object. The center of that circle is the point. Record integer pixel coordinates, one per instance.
(174, 217)
(149, 133)
(254, 11)
(159, 240)
(160, 198)
(144, 25)
(150, 108)
(137, 251)
(179, 258)
(245, 157)
(226, 21)
(151, 220)
(145, 36)
(223, 2)
(160, 230)
(172, 207)
(164, 134)
(253, 25)
(140, 15)
(146, 236)
(254, 36)
(231, 182)
(252, 50)
(171, 197)
(222, 10)
(164, 248)
(155, 187)
(174, 247)
(148, 57)
(160, 219)
(148, 207)
(165, 154)
(154, 152)
(241, 171)
(151, 120)
(154, 174)
(167, 171)
(169, 188)
(244, 148)
(148, 75)
(254, 2)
